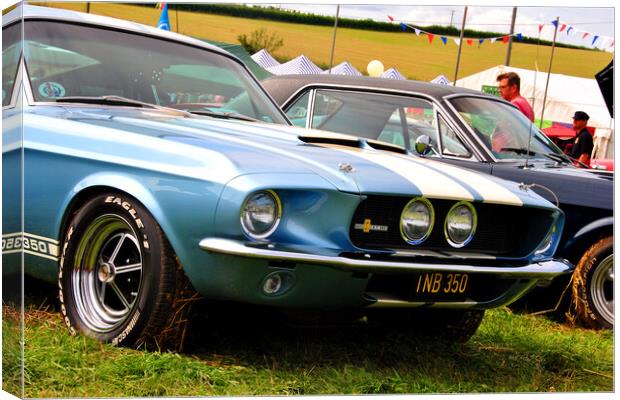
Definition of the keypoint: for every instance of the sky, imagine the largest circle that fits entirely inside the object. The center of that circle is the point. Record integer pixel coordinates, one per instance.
(597, 20)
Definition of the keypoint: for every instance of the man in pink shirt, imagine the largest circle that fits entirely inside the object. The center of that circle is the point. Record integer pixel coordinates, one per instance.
(509, 89)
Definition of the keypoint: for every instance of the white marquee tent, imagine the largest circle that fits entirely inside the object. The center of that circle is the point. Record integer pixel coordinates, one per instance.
(392, 73)
(566, 94)
(264, 59)
(344, 68)
(299, 65)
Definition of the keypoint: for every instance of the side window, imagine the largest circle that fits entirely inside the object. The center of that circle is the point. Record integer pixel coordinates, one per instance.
(451, 144)
(298, 111)
(11, 51)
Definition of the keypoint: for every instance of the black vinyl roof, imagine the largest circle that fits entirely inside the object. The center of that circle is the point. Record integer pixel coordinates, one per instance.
(282, 87)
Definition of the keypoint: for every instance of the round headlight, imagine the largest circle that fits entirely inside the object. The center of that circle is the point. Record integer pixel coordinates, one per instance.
(461, 224)
(416, 220)
(260, 214)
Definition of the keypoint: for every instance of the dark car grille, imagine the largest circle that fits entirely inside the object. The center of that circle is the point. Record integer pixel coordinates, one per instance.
(507, 231)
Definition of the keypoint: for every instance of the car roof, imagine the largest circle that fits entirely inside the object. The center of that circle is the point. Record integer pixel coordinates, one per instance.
(48, 13)
(282, 87)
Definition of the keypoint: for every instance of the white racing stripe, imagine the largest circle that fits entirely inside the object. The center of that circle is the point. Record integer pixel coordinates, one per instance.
(441, 181)
(430, 182)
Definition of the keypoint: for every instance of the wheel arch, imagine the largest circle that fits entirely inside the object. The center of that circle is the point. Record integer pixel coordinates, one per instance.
(100, 184)
(585, 237)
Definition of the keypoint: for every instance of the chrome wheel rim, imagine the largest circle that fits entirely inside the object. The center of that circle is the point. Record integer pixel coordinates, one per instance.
(107, 273)
(602, 289)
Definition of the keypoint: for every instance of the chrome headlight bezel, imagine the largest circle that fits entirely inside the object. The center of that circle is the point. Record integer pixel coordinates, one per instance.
(429, 229)
(277, 204)
(472, 232)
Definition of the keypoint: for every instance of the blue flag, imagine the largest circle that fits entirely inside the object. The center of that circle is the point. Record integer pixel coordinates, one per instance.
(164, 22)
(403, 26)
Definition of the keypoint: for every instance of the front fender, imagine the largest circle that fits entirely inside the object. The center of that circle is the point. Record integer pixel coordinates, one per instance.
(184, 208)
(587, 235)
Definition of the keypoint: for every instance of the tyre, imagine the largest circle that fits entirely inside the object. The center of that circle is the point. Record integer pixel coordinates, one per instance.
(449, 325)
(119, 280)
(593, 285)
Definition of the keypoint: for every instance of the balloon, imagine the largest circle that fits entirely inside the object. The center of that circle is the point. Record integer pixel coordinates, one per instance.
(375, 68)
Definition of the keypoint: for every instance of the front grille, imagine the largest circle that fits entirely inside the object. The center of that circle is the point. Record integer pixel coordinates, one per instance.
(507, 231)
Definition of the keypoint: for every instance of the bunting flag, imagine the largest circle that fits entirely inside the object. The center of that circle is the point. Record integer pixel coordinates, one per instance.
(164, 22)
(604, 42)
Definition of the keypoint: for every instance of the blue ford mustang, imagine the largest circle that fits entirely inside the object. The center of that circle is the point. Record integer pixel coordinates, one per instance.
(154, 167)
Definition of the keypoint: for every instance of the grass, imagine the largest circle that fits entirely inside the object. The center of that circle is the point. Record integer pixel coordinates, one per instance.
(410, 54)
(252, 355)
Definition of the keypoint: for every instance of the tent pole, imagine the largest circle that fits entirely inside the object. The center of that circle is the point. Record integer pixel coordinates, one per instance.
(512, 31)
(458, 57)
(331, 58)
(555, 33)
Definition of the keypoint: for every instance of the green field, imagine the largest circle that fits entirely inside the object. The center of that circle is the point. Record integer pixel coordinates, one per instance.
(411, 55)
(250, 356)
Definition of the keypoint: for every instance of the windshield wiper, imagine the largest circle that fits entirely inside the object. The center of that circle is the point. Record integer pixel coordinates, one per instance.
(224, 115)
(106, 100)
(558, 157)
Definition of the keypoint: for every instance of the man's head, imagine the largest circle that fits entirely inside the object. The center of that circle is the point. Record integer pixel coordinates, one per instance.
(580, 120)
(509, 85)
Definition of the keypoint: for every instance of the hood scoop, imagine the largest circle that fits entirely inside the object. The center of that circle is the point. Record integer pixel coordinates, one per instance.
(351, 141)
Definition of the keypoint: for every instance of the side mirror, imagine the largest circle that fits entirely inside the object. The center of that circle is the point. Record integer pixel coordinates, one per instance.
(423, 145)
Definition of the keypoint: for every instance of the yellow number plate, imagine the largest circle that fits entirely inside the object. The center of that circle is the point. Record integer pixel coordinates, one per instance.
(441, 285)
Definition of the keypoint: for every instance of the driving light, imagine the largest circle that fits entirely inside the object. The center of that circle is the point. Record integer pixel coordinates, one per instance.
(416, 220)
(260, 214)
(461, 223)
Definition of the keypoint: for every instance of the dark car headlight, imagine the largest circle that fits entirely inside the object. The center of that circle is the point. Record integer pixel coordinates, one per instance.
(260, 214)
(416, 220)
(461, 223)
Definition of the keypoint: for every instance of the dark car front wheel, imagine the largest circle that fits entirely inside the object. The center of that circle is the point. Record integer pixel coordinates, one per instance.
(119, 280)
(593, 285)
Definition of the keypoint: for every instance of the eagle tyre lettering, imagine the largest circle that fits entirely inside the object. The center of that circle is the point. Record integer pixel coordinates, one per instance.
(119, 279)
(593, 281)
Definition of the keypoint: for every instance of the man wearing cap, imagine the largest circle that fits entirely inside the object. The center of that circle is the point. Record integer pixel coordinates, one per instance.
(582, 149)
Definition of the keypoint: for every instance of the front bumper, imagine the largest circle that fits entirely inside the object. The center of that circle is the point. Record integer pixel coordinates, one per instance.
(541, 270)
(376, 279)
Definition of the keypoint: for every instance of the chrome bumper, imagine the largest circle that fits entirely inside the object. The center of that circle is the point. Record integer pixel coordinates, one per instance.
(540, 270)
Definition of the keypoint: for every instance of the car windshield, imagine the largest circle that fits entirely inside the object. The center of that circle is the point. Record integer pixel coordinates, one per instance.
(77, 61)
(504, 129)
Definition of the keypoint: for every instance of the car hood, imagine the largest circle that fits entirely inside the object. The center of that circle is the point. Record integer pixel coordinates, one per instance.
(572, 186)
(251, 148)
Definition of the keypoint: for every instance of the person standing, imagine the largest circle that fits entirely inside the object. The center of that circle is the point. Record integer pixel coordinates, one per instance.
(582, 148)
(510, 89)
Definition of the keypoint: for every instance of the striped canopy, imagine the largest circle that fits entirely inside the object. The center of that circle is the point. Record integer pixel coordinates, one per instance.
(441, 79)
(393, 73)
(344, 68)
(300, 65)
(264, 59)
